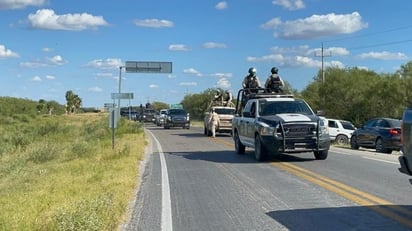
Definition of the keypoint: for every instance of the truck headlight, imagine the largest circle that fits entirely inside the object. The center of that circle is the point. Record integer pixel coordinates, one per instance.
(266, 131)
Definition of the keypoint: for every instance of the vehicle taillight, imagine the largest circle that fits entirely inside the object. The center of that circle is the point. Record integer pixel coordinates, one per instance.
(393, 132)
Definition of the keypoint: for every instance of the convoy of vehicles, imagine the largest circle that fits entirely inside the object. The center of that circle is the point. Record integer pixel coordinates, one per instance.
(273, 124)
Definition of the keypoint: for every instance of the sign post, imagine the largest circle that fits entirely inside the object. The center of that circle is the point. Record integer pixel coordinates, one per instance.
(135, 67)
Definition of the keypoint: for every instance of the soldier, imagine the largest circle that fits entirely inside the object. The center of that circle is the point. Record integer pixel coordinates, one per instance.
(213, 122)
(228, 98)
(218, 97)
(251, 82)
(274, 83)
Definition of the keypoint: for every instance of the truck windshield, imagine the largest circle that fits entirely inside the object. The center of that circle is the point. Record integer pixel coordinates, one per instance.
(177, 112)
(280, 107)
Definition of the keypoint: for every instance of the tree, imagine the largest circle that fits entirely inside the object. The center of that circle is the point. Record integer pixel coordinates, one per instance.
(73, 102)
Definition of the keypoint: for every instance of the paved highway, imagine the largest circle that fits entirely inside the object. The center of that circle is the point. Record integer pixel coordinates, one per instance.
(194, 182)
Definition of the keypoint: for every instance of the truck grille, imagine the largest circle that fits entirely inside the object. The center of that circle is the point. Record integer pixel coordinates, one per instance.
(298, 130)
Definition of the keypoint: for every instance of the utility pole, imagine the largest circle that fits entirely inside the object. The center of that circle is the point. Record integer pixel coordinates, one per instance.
(322, 55)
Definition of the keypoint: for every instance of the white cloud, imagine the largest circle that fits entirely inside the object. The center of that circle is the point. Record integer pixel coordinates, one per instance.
(221, 5)
(153, 23)
(50, 77)
(384, 55)
(53, 61)
(178, 47)
(95, 89)
(33, 64)
(47, 19)
(214, 45)
(192, 71)
(272, 24)
(272, 57)
(19, 4)
(317, 26)
(56, 60)
(188, 84)
(223, 83)
(222, 75)
(330, 51)
(7, 53)
(46, 49)
(153, 86)
(104, 74)
(36, 79)
(290, 4)
(110, 63)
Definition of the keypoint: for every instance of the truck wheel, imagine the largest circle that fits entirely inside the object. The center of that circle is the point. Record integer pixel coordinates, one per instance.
(379, 147)
(260, 150)
(239, 147)
(321, 155)
(342, 139)
(353, 143)
(205, 131)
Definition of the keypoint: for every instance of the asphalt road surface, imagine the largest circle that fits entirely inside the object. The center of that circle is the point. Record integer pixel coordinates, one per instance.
(194, 182)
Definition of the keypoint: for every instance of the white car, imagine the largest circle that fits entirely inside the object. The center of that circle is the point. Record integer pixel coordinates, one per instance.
(340, 131)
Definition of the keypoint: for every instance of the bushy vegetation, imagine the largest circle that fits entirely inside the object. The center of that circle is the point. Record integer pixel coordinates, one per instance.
(61, 173)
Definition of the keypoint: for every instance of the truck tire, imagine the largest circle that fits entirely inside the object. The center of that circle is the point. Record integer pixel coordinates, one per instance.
(321, 155)
(205, 130)
(260, 151)
(239, 147)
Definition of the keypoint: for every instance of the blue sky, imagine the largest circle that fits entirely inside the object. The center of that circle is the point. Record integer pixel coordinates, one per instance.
(48, 47)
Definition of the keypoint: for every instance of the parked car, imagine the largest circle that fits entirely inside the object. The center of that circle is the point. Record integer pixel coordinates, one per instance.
(340, 131)
(382, 134)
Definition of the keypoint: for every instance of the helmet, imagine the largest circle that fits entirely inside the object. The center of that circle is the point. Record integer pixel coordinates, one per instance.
(274, 70)
(252, 71)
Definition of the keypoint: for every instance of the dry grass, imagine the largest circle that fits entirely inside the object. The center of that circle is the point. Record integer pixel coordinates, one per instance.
(61, 173)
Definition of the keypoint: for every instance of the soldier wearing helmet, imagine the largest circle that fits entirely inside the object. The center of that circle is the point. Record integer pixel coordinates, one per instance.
(274, 83)
(251, 82)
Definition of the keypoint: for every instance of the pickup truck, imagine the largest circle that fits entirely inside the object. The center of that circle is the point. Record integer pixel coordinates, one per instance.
(273, 124)
(405, 159)
(226, 114)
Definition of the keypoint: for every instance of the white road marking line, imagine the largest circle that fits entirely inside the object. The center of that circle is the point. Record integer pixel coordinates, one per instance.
(386, 161)
(166, 222)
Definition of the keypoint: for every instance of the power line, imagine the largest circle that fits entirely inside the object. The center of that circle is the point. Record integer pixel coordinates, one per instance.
(371, 34)
(380, 44)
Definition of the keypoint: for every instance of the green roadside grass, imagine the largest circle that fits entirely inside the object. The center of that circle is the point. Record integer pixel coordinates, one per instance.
(61, 173)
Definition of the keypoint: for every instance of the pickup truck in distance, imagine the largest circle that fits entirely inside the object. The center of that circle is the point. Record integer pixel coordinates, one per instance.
(273, 124)
(405, 159)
